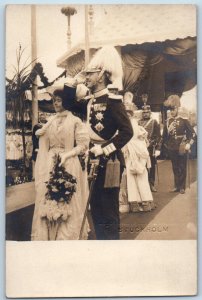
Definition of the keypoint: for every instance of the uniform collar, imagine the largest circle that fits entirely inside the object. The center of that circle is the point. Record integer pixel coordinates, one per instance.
(101, 93)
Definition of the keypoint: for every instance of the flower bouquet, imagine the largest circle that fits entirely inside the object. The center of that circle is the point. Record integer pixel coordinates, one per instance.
(60, 188)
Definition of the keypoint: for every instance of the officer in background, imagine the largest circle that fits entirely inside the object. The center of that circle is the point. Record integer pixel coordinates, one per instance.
(178, 136)
(154, 139)
(109, 129)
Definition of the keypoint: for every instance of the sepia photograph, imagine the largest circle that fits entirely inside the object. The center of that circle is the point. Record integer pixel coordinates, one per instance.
(101, 135)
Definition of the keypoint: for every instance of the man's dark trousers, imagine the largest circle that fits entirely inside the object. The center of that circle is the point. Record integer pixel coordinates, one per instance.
(179, 165)
(105, 209)
(152, 170)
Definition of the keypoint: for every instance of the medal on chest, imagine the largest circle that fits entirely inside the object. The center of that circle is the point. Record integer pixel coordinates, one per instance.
(99, 127)
(97, 114)
(99, 107)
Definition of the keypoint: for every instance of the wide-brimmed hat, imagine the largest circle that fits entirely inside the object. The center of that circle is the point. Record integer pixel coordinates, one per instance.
(66, 98)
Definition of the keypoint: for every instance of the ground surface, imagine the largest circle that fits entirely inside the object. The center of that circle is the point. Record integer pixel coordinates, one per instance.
(175, 217)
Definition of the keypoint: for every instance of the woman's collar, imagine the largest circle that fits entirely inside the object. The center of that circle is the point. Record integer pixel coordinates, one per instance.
(64, 113)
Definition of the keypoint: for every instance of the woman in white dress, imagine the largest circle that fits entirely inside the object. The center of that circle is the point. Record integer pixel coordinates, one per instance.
(13, 148)
(66, 135)
(137, 190)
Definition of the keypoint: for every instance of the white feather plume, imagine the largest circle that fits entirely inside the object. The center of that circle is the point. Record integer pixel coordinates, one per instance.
(172, 101)
(108, 59)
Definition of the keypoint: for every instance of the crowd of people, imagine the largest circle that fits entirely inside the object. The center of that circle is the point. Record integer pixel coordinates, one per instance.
(15, 157)
(14, 146)
(118, 149)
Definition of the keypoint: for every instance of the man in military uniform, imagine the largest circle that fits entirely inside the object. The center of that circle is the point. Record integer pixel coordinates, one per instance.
(154, 139)
(178, 136)
(35, 139)
(109, 129)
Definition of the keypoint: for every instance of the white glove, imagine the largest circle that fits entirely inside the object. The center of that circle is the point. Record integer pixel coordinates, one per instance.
(44, 128)
(187, 147)
(80, 78)
(96, 150)
(157, 153)
(65, 156)
(41, 131)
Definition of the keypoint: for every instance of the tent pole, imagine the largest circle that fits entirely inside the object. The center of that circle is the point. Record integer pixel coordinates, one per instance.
(87, 55)
(34, 57)
(34, 85)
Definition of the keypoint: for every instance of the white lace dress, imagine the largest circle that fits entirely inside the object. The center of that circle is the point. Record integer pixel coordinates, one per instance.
(61, 134)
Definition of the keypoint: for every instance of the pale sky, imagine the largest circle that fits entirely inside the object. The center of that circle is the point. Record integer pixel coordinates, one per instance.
(51, 33)
(52, 39)
(189, 99)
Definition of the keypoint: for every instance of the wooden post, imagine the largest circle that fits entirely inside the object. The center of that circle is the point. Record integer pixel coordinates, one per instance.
(87, 55)
(34, 57)
(91, 21)
(34, 86)
(68, 33)
(68, 11)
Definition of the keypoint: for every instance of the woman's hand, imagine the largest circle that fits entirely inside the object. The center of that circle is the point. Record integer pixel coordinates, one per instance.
(66, 156)
(44, 127)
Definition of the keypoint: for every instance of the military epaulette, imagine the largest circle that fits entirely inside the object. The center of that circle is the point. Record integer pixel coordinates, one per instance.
(115, 97)
(184, 117)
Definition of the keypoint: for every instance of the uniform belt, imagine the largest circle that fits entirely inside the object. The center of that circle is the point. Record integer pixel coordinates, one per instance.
(96, 142)
(57, 147)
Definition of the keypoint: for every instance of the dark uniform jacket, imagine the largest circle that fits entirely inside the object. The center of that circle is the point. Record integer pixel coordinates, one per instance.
(108, 122)
(154, 136)
(177, 130)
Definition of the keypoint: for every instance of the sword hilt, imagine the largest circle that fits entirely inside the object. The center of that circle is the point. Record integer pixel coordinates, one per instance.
(94, 164)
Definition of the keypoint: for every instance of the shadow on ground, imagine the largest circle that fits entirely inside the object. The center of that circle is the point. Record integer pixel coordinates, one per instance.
(18, 223)
(132, 224)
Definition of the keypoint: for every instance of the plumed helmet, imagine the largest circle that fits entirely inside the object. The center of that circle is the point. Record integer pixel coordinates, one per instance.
(145, 107)
(108, 60)
(173, 101)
